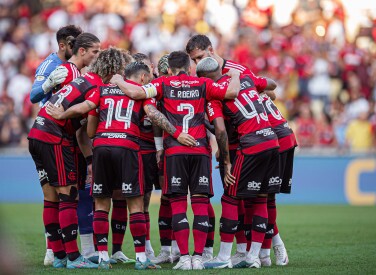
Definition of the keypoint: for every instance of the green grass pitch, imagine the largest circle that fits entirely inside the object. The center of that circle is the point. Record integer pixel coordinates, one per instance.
(323, 239)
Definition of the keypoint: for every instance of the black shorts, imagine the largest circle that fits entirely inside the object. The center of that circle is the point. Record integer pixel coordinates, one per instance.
(221, 167)
(286, 169)
(81, 168)
(149, 161)
(55, 164)
(188, 171)
(117, 168)
(255, 174)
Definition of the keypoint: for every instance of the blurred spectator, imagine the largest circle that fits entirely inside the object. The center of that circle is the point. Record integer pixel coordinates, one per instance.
(359, 135)
(321, 53)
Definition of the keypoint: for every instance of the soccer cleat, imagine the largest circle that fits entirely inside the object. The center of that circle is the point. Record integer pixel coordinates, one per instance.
(104, 265)
(145, 265)
(253, 262)
(60, 263)
(197, 263)
(121, 258)
(162, 258)
(81, 262)
(175, 257)
(281, 257)
(216, 263)
(49, 257)
(266, 261)
(184, 263)
(95, 259)
(239, 260)
(206, 256)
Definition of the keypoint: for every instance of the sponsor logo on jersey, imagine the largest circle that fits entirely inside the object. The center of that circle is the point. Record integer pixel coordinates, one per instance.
(210, 109)
(114, 135)
(265, 132)
(274, 181)
(175, 83)
(203, 181)
(40, 77)
(254, 186)
(97, 188)
(175, 181)
(126, 187)
(40, 120)
(80, 80)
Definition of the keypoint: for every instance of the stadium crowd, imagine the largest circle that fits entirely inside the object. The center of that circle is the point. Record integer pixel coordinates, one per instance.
(326, 84)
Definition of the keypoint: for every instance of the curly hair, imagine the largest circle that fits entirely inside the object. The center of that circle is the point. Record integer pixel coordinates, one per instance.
(128, 58)
(109, 62)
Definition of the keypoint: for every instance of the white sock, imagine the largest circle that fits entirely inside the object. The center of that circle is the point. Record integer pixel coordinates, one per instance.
(103, 255)
(225, 251)
(241, 247)
(208, 250)
(166, 249)
(148, 247)
(276, 240)
(174, 248)
(141, 256)
(264, 253)
(87, 244)
(255, 250)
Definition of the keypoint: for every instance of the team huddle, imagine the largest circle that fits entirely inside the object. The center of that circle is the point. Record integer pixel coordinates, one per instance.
(109, 137)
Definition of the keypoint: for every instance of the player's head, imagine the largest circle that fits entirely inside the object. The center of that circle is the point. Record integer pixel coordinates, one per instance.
(138, 72)
(64, 35)
(86, 47)
(128, 58)
(141, 57)
(178, 61)
(163, 65)
(199, 47)
(108, 63)
(208, 67)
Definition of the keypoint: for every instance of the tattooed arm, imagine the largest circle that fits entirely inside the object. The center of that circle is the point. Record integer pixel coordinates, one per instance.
(222, 140)
(160, 120)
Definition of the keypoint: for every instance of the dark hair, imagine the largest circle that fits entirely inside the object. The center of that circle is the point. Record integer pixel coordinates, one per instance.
(135, 68)
(109, 62)
(128, 58)
(139, 57)
(84, 40)
(64, 32)
(198, 41)
(178, 60)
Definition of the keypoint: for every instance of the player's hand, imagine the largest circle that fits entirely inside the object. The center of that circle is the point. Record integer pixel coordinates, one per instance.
(159, 156)
(187, 140)
(89, 175)
(233, 73)
(54, 111)
(57, 77)
(229, 178)
(116, 78)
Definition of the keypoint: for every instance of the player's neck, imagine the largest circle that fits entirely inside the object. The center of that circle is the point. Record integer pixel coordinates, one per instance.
(219, 59)
(61, 56)
(76, 61)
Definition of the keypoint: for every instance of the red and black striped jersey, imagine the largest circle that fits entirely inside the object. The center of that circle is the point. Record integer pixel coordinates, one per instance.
(119, 117)
(50, 130)
(248, 115)
(183, 101)
(286, 137)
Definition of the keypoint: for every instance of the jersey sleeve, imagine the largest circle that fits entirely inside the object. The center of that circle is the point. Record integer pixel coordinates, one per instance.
(43, 71)
(149, 101)
(259, 81)
(215, 90)
(94, 112)
(156, 86)
(214, 110)
(93, 95)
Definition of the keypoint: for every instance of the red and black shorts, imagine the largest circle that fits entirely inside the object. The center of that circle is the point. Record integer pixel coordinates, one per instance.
(183, 172)
(81, 168)
(286, 159)
(55, 164)
(151, 176)
(117, 168)
(255, 174)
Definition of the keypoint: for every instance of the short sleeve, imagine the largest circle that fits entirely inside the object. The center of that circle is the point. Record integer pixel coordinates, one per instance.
(150, 101)
(94, 112)
(214, 110)
(259, 81)
(157, 85)
(94, 96)
(215, 90)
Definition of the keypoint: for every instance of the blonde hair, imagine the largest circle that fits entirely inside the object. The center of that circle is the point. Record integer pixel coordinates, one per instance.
(109, 62)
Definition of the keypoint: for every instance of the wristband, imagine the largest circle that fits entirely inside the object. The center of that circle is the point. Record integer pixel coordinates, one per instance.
(89, 160)
(149, 90)
(176, 134)
(158, 143)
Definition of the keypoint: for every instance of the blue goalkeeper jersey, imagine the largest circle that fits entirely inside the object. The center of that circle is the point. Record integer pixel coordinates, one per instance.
(43, 71)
